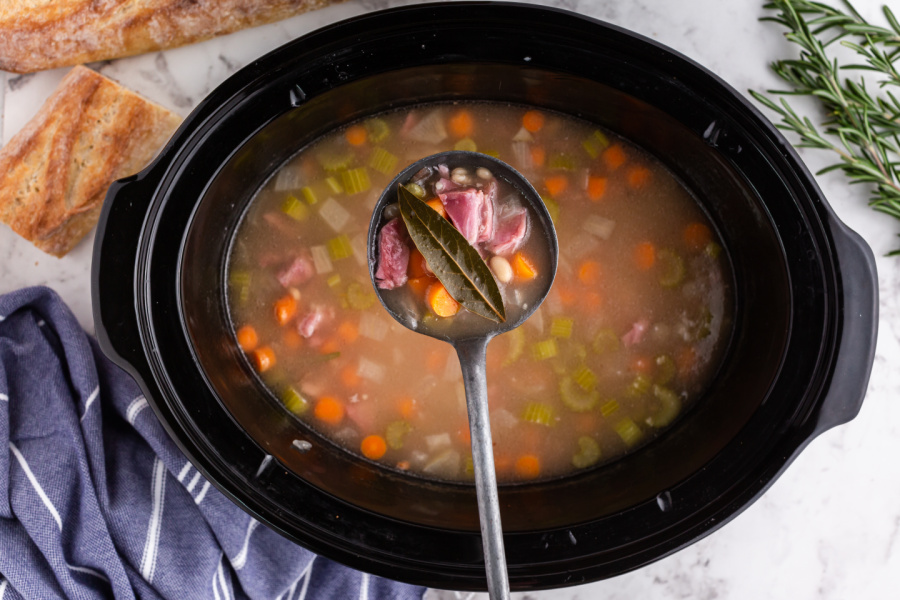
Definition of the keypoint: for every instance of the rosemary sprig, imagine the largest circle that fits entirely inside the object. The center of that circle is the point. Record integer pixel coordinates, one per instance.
(862, 128)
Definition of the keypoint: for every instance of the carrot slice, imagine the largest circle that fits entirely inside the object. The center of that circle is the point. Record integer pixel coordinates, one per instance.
(589, 272)
(638, 177)
(330, 346)
(419, 285)
(439, 300)
(291, 338)
(417, 266)
(556, 185)
(645, 256)
(263, 358)
(407, 407)
(356, 135)
(523, 267)
(596, 188)
(329, 409)
(614, 156)
(373, 447)
(461, 124)
(285, 309)
(538, 156)
(247, 338)
(697, 236)
(349, 377)
(533, 120)
(528, 466)
(348, 332)
(438, 206)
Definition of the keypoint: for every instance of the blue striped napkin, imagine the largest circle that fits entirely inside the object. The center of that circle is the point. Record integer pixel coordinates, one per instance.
(100, 503)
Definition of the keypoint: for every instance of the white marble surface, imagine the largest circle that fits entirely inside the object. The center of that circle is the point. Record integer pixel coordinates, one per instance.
(829, 528)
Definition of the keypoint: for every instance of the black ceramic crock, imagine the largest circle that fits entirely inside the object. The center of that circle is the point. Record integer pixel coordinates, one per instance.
(805, 287)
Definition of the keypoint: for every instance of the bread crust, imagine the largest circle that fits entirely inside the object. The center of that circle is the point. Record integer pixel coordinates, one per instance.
(55, 172)
(45, 34)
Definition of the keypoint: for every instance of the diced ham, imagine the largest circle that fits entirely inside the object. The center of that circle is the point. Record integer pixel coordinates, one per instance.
(393, 255)
(465, 207)
(636, 333)
(488, 223)
(310, 322)
(510, 230)
(297, 273)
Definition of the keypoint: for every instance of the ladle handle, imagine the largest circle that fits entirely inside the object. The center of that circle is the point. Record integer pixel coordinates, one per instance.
(472, 360)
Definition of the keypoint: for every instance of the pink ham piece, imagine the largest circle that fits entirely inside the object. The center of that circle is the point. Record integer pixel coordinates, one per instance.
(393, 255)
(636, 333)
(310, 322)
(488, 223)
(465, 208)
(298, 272)
(510, 230)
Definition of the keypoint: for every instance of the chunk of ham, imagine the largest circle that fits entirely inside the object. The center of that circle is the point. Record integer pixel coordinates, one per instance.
(298, 272)
(312, 320)
(393, 255)
(472, 212)
(636, 333)
(510, 230)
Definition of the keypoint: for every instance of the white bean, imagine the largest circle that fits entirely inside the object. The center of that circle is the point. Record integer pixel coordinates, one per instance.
(484, 173)
(460, 176)
(502, 269)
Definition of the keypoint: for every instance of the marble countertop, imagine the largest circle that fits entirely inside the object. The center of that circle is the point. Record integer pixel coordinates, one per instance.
(829, 528)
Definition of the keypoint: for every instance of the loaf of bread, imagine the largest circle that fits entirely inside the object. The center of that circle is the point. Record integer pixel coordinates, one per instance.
(44, 34)
(55, 172)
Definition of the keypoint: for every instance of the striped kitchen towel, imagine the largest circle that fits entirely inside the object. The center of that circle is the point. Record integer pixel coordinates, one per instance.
(100, 503)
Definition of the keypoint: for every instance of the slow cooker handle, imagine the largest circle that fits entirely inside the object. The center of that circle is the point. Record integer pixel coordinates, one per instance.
(856, 352)
(113, 269)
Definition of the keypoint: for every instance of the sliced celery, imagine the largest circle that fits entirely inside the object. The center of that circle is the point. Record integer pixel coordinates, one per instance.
(467, 144)
(669, 407)
(545, 349)
(493, 153)
(585, 378)
(665, 369)
(383, 161)
(333, 160)
(575, 398)
(638, 387)
(377, 129)
(606, 341)
(309, 195)
(562, 161)
(588, 452)
(240, 281)
(561, 327)
(294, 401)
(355, 180)
(395, 433)
(609, 407)
(340, 247)
(628, 430)
(713, 250)
(538, 413)
(516, 346)
(333, 185)
(334, 280)
(552, 208)
(671, 268)
(295, 209)
(360, 297)
(595, 143)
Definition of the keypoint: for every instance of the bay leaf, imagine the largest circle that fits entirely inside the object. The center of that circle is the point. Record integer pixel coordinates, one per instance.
(454, 261)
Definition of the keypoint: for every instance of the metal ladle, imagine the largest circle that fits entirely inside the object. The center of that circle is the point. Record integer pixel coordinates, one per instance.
(471, 348)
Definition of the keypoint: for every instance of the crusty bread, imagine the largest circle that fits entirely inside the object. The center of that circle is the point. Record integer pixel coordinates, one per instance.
(44, 34)
(55, 172)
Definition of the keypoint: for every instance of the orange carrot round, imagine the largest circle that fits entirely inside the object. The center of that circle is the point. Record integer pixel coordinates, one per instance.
(356, 135)
(406, 406)
(528, 466)
(439, 300)
(556, 185)
(285, 309)
(291, 338)
(247, 338)
(522, 267)
(349, 377)
(373, 446)
(538, 156)
(461, 124)
(614, 156)
(596, 188)
(329, 410)
(645, 256)
(263, 358)
(589, 272)
(417, 266)
(638, 177)
(533, 120)
(697, 236)
(348, 332)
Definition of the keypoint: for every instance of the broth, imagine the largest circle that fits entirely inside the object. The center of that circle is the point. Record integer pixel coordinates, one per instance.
(629, 336)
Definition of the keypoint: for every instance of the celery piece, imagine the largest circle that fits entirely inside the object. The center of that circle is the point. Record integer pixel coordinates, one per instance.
(538, 413)
(671, 268)
(628, 431)
(334, 280)
(377, 129)
(415, 189)
(588, 452)
(576, 399)
(360, 297)
(340, 247)
(467, 144)
(309, 195)
(355, 180)
(665, 369)
(585, 378)
(516, 339)
(395, 433)
(552, 208)
(561, 161)
(295, 209)
(545, 349)
(606, 341)
(334, 160)
(595, 143)
(383, 161)
(469, 467)
(713, 250)
(493, 153)
(333, 185)
(669, 407)
(638, 387)
(294, 401)
(240, 281)
(561, 327)
(609, 407)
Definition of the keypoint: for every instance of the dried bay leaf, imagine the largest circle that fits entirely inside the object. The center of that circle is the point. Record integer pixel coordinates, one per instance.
(454, 261)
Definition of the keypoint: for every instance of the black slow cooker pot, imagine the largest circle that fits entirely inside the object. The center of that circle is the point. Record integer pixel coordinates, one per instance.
(805, 287)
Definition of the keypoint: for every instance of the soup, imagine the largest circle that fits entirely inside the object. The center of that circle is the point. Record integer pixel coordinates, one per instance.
(628, 338)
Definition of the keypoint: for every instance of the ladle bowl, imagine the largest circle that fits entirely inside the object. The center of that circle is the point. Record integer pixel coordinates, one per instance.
(471, 346)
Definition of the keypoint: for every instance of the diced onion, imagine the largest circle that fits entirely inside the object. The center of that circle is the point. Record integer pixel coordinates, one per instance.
(321, 259)
(335, 215)
(599, 226)
(372, 326)
(371, 370)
